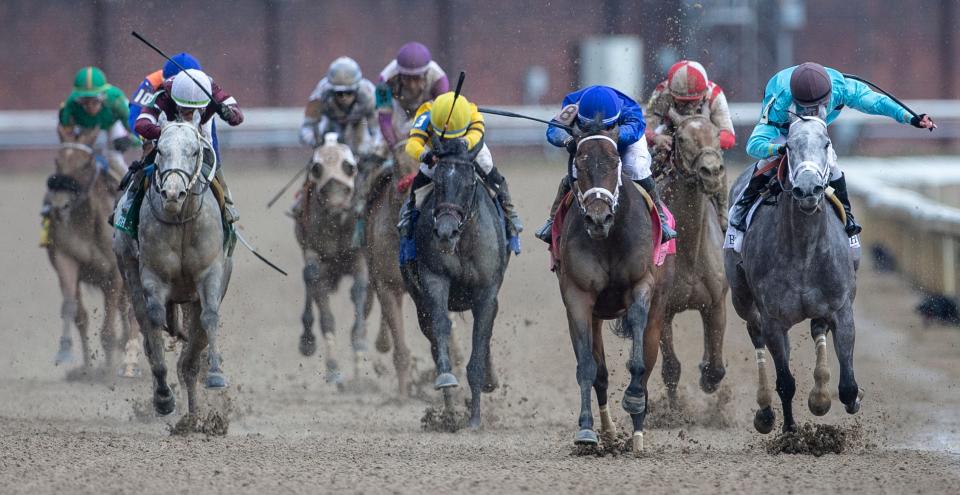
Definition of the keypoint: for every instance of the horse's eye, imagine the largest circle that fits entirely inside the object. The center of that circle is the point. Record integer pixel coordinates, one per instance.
(826, 146)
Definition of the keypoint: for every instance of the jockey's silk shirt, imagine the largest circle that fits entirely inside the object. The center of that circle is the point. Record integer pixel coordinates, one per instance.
(631, 121)
(421, 132)
(114, 109)
(778, 101)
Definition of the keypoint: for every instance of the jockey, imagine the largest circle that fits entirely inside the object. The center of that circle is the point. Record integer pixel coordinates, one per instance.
(615, 110)
(461, 121)
(406, 83)
(181, 99)
(689, 91)
(811, 89)
(95, 104)
(342, 102)
(146, 92)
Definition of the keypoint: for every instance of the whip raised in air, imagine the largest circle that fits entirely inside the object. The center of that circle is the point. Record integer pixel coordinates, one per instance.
(504, 113)
(174, 62)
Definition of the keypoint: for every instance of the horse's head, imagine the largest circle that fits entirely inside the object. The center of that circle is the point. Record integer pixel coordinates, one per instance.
(598, 179)
(333, 172)
(696, 150)
(76, 169)
(180, 154)
(455, 187)
(808, 159)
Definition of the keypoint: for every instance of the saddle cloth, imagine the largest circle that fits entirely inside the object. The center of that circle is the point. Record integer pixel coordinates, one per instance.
(660, 250)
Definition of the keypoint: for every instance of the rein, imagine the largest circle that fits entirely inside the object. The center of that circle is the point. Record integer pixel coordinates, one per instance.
(600, 193)
(68, 183)
(190, 179)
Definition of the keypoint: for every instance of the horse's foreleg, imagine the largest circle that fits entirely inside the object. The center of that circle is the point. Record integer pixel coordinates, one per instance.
(712, 371)
(111, 305)
(327, 327)
(188, 366)
(68, 273)
(211, 293)
(484, 312)
(433, 306)
(844, 336)
(580, 319)
(131, 332)
(311, 282)
(775, 336)
(82, 320)
(819, 399)
(156, 295)
(391, 308)
(670, 369)
(358, 335)
(608, 430)
(645, 318)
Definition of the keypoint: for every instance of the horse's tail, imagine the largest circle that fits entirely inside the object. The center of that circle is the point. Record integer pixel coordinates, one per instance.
(619, 329)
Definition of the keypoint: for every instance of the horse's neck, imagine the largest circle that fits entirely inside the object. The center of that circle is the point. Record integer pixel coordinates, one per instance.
(689, 205)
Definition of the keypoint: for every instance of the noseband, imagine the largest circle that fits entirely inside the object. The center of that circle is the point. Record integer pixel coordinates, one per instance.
(676, 158)
(460, 214)
(822, 172)
(60, 182)
(600, 193)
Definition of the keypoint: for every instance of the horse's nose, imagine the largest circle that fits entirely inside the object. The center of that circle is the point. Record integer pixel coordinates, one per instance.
(446, 230)
(601, 220)
(802, 192)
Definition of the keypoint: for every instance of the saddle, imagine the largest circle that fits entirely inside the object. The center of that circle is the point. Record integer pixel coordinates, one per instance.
(660, 251)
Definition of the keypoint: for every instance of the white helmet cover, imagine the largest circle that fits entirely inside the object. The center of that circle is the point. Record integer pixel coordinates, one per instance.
(344, 74)
(186, 93)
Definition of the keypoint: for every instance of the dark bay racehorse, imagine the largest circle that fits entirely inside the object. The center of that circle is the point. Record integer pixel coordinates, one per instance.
(797, 264)
(324, 231)
(606, 271)
(693, 175)
(461, 258)
(81, 195)
(179, 260)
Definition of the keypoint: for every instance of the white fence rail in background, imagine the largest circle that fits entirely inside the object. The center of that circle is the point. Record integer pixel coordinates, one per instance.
(278, 127)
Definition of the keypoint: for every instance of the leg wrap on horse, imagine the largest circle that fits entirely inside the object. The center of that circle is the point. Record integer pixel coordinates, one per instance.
(738, 215)
(840, 191)
(649, 185)
(543, 233)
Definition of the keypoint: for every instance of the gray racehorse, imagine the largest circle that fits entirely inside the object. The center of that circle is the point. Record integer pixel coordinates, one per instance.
(462, 256)
(797, 264)
(179, 260)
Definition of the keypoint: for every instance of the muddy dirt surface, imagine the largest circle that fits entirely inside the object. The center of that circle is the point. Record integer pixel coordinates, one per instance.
(289, 431)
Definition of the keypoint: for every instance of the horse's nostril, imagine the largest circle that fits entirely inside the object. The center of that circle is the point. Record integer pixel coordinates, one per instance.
(798, 193)
(181, 194)
(163, 193)
(608, 218)
(705, 172)
(818, 190)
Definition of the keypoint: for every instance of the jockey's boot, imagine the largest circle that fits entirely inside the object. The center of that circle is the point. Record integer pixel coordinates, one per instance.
(230, 213)
(738, 215)
(408, 220)
(514, 226)
(840, 191)
(544, 233)
(45, 223)
(649, 185)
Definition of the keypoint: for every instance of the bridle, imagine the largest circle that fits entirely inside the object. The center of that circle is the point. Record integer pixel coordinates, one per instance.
(460, 214)
(189, 178)
(62, 182)
(612, 198)
(679, 164)
(822, 172)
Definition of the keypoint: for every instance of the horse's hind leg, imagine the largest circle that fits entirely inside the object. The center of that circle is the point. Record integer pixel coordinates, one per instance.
(111, 305)
(82, 320)
(775, 336)
(764, 418)
(819, 399)
(188, 366)
(712, 370)
(391, 308)
(131, 332)
(211, 293)
(484, 313)
(358, 335)
(311, 281)
(670, 369)
(844, 335)
(608, 430)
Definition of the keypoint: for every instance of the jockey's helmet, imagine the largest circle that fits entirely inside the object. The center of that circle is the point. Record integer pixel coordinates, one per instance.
(186, 93)
(184, 59)
(89, 82)
(344, 74)
(687, 80)
(455, 115)
(413, 59)
(599, 101)
(810, 85)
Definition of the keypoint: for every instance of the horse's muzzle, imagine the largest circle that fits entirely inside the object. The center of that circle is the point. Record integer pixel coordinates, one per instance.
(446, 228)
(808, 200)
(598, 224)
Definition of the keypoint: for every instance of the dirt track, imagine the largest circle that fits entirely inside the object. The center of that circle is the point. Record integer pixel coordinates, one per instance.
(291, 432)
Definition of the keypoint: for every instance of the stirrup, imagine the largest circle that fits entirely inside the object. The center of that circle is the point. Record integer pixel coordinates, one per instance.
(230, 214)
(545, 233)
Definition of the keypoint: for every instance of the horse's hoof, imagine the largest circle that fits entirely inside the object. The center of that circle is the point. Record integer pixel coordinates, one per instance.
(492, 383)
(64, 357)
(334, 377)
(634, 404)
(474, 423)
(164, 405)
(129, 371)
(763, 420)
(710, 378)
(216, 381)
(308, 345)
(819, 402)
(383, 344)
(789, 427)
(445, 380)
(853, 407)
(637, 443)
(586, 437)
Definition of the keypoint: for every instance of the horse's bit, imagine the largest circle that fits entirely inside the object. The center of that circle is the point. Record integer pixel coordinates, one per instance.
(601, 193)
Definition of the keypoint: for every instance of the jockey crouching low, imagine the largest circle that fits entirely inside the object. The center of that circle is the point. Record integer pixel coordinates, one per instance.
(182, 100)
(614, 110)
(810, 89)
(461, 120)
(689, 91)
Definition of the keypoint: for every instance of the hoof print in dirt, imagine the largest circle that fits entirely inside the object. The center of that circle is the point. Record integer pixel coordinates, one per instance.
(212, 424)
(444, 420)
(815, 440)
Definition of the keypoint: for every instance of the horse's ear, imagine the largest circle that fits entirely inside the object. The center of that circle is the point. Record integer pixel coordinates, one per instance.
(88, 136)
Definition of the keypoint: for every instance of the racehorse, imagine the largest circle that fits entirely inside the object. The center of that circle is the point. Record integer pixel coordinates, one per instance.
(694, 174)
(796, 264)
(461, 259)
(179, 259)
(606, 271)
(324, 231)
(81, 195)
